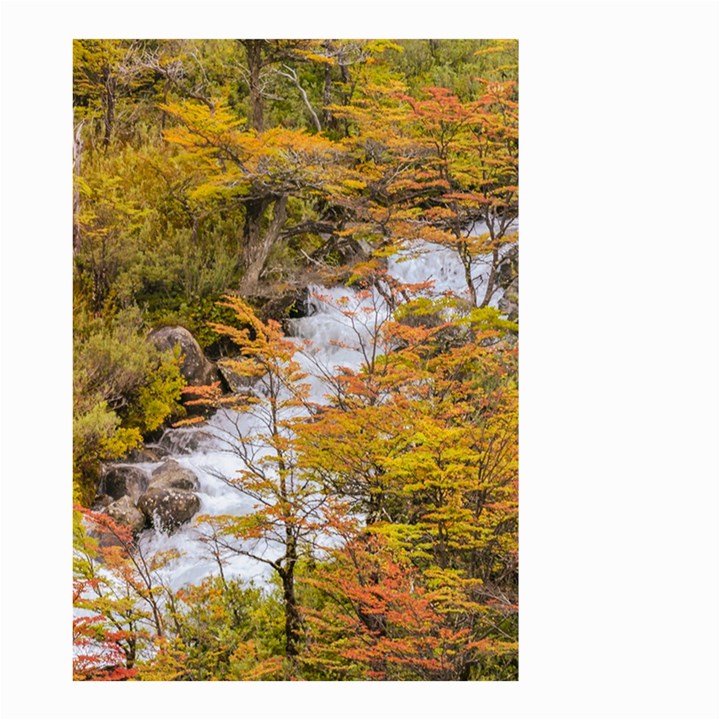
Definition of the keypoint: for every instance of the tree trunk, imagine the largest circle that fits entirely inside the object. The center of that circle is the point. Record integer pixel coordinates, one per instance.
(253, 51)
(292, 614)
(257, 245)
(466, 259)
(491, 279)
(77, 152)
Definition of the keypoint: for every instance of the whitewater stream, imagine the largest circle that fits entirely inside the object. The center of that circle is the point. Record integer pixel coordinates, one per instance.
(332, 341)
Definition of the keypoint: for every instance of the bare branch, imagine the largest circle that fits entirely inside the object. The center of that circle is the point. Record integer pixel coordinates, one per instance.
(291, 75)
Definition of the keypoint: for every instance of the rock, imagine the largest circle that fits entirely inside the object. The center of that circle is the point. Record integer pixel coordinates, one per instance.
(124, 512)
(234, 381)
(120, 480)
(172, 475)
(104, 538)
(101, 502)
(146, 454)
(176, 441)
(281, 303)
(196, 368)
(168, 508)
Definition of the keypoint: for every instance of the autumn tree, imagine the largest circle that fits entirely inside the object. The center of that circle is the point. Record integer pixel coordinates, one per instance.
(473, 152)
(439, 169)
(118, 592)
(380, 620)
(292, 514)
(258, 170)
(104, 72)
(425, 447)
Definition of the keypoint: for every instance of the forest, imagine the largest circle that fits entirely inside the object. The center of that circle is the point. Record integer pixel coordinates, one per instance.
(295, 359)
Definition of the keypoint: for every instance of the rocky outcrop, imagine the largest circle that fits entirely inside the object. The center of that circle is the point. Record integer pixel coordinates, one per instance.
(124, 512)
(172, 475)
(166, 508)
(196, 368)
(120, 480)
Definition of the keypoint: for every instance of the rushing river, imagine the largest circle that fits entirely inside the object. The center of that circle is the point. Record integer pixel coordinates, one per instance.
(332, 341)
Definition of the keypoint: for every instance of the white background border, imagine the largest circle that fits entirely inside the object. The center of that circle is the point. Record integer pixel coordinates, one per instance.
(619, 358)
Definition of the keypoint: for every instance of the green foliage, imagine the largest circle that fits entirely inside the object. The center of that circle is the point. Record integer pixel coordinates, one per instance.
(221, 631)
(123, 387)
(198, 315)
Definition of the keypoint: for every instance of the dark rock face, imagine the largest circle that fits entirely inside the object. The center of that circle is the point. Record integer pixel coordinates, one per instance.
(196, 368)
(121, 480)
(176, 441)
(168, 508)
(426, 320)
(172, 475)
(124, 512)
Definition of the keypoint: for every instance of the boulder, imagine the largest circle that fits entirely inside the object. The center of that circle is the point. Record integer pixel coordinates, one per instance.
(120, 480)
(196, 368)
(507, 279)
(124, 512)
(101, 502)
(103, 537)
(172, 475)
(146, 454)
(168, 508)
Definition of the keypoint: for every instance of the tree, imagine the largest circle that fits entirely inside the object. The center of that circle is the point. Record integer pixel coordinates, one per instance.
(437, 169)
(105, 70)
(117, 590)
(292, 512)
(425, 447)
(259, 170)
(219, 630)
(380, 621)
(473, 151)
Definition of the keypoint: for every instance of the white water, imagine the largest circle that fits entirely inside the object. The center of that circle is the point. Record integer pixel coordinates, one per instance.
(333, 340)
